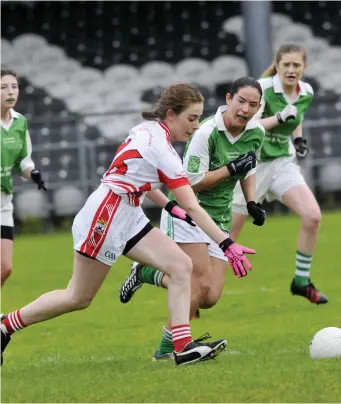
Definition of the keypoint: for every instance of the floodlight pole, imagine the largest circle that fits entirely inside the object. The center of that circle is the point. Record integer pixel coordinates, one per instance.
(258, 36)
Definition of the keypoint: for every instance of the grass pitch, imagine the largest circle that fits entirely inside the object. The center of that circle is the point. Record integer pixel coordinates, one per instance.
(103, 354)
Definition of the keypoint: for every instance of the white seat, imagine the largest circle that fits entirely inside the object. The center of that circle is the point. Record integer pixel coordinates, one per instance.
(228, 68)
(191, 68)
(157, 71)
(81, 102)
(332, 55)
(120, 73)
(316, 47)
(279, 21)
(86, 76)
(330, 177)
(6, 49)
(28, 43)
(298, 33)
(235, 25)
(31, 203)
(68, 200)
(61, 90)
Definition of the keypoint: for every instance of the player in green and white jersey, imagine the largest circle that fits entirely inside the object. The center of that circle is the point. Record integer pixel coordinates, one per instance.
(286, 98)
(220, 153)
(15, 152)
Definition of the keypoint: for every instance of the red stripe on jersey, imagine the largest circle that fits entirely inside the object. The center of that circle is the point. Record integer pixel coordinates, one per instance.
(100, 224)
(172, 182)
(112, 165)
(166, 129)
(128, 187)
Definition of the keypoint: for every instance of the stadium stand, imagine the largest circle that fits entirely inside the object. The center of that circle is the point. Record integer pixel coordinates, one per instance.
(87, 69)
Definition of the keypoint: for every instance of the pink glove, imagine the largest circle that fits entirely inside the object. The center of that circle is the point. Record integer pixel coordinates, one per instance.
(235, 255)
(174, 210)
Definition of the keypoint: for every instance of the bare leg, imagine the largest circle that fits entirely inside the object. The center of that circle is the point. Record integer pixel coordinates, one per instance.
(302, 201)
(88, 276)
(168, 258)
(238, 221)
(217, 283)
(6, 259)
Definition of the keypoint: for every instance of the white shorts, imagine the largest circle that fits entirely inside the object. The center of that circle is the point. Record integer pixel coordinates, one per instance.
(273, 180)
(105, 224)
(7, 209)
(181, 232)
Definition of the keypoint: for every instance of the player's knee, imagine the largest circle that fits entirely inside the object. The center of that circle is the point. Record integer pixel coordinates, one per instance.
(181, 269)
(312, 219)
(78, 302)
(6, 270)
(211, 299)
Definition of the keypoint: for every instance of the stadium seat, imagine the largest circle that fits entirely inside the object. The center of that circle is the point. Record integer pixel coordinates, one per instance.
(330, 177)
(31, 203)
(67, 200)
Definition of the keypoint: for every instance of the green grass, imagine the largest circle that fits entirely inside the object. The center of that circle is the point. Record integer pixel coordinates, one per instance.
(103, 354)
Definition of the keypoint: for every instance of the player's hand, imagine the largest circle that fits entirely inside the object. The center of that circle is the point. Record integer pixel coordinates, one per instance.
(38, 179)
(174, 210)
(301, 147)
(242, 164)
(289, 112)
(258, 214)
(235, 255)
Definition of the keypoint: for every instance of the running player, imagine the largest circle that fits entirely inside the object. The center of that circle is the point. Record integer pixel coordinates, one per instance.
(15, 152)
(286, 98)
(220, 153)
(112, 223)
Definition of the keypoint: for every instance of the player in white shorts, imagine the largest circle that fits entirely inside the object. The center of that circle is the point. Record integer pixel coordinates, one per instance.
(286, 98)
(112, 223)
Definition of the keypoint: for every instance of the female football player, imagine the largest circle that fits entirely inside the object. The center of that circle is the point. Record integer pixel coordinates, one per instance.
(15, 152)
(112, 223)
(219, 154)
(285, 100)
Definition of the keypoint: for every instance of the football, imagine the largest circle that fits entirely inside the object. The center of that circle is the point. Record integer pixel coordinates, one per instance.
(326, 343)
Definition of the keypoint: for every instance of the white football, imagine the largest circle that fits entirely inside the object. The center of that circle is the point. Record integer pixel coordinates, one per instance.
(326, 344)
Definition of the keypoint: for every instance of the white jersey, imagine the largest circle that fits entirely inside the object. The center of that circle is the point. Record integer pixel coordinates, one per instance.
(144, 162)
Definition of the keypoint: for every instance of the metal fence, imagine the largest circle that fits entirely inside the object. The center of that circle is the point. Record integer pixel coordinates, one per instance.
(81, 159)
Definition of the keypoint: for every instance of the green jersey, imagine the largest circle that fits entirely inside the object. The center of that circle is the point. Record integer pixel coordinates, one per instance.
(277, 142)
(212, 147)
(15, 149)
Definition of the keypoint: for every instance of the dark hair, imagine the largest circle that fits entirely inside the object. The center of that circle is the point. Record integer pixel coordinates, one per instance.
(285, 48)
(177, 98)
(6, 71)
(243, 82)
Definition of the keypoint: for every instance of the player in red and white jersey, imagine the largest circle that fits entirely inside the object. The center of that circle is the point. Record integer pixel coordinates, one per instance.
(112, 223)
(144, 162)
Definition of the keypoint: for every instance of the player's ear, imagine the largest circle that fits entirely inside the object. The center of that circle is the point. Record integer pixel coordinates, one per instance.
(228, 98)
(170, 114)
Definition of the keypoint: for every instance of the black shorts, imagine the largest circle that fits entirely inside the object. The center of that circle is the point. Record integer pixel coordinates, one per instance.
(7, 232)
(131, 243)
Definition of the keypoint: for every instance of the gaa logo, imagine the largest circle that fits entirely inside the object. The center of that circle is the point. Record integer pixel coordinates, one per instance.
(110, 255)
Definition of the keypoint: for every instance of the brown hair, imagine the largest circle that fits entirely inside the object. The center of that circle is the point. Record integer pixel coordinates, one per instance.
(6, 71)
(177, 98)
(286, 48)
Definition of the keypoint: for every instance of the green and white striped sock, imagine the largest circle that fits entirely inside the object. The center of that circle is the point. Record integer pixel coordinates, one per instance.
(166, 344)
(152, 276)
(303, 264)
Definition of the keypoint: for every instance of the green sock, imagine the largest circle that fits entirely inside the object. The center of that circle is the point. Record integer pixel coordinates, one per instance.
(166, 344)
(151, 276)
(303, 264)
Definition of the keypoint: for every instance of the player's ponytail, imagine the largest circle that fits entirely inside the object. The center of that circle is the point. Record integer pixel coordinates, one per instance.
(286, 48)
(150, 115)
(271, 70)
(176, 98)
